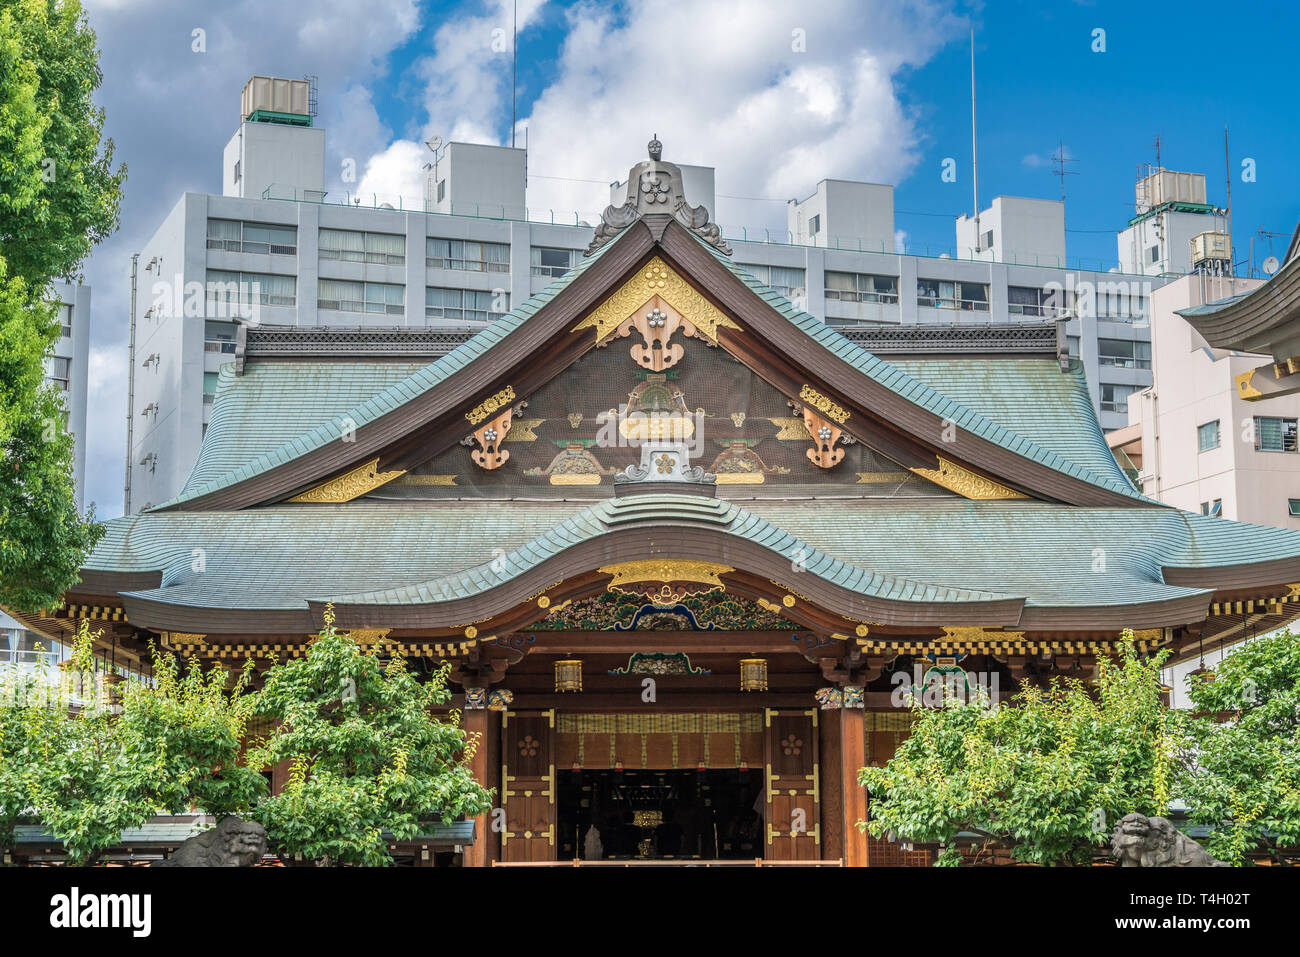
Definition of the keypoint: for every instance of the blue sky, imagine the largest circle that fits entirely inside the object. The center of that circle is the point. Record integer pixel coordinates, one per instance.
(872, 90)
(1183, 77)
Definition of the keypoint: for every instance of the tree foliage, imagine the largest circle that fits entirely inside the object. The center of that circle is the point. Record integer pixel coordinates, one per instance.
(59, 197)
(365, 752)
(1046, 776)
(1242, 775)
(86, 772)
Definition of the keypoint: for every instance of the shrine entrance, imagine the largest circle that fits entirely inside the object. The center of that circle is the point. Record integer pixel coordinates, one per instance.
(659, 785)
(661, 814)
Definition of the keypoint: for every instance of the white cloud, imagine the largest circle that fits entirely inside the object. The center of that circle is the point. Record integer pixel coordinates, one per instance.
(722, 84)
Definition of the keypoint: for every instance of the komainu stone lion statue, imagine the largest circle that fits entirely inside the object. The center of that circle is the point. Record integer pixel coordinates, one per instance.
(1141, 841)
(234, 842)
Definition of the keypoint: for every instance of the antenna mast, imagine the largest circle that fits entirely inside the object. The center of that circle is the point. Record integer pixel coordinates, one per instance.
(974, 153)
(1059, 164)
(1227, 177)
(514, 71)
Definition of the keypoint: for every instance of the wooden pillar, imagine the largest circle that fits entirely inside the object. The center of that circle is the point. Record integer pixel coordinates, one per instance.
(832, 788)
(853, 754)
(476, 723)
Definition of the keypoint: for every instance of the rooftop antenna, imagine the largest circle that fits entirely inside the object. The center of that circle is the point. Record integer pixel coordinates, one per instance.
(974, 153)
(514, 72)
(1059, 164)
(1227, 177)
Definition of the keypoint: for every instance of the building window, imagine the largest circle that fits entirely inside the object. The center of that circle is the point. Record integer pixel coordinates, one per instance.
(1115, 301)
(1293, 506)
(815, 225)
(219, 337)
(1072, 346)
(467, 256)
(1274, 434)
(1124, 353)
(374, 297)
(1207, 436)
(548, 261)
(236, 236)
(1153, 254)
(60, 372)
(442, 189)
(1114, 397)
(988, 241)
(941, 294)
(65, 321)
(209, 386)
(860, 287)
(788, 281)
(236, 171)
(1213, 509)
(473, 304)
(350, 245)
(1032, 301)
(239, 289)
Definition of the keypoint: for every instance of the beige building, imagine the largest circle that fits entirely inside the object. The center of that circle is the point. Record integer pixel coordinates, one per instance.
(1193, 440)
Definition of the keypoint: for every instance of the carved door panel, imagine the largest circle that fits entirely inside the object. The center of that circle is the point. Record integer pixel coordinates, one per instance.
(528, 785)
(793, 794)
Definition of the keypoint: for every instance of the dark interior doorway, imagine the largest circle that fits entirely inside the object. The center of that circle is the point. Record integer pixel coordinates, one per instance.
(658, 815)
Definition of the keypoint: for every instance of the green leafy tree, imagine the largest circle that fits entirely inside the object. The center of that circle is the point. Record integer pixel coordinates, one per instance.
(186, 732)
(78, 784)
(1046, 775)
(366, 754)
(87, 772)
(1242, 776)
(59, 197)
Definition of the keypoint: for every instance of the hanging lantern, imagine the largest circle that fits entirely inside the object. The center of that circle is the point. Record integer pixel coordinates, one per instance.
(568, 675)
(753, 674)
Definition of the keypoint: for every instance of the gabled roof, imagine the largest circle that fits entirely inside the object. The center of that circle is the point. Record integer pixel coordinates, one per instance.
(1089, 463)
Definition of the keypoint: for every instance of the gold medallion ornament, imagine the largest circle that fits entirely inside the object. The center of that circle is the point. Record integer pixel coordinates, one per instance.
(659, 279)
(350, 485)
(967, 483)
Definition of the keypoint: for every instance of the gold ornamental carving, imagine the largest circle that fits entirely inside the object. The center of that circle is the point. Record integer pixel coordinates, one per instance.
(822, 404)
(490, 405)
(967, 483)
(665, 570)
(350, 485)
(975, 633)
(657, 278)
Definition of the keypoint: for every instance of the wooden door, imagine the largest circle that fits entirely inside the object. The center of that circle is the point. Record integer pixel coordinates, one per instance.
(793, 795)
(528, 785)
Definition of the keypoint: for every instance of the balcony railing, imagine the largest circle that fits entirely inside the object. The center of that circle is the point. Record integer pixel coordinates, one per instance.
(241, 246)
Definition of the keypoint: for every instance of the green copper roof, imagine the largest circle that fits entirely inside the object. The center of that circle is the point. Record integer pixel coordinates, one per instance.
(922, 550)
(275, 402)
(1031, 397)
(1041, 434)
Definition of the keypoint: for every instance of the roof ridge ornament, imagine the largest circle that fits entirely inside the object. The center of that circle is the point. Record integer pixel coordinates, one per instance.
(655, 186)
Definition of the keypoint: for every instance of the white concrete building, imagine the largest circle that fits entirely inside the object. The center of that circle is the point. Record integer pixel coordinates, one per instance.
(1015, 229)
(1171, 212)
(68, 369)
(286, 253)
(1203, 447)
